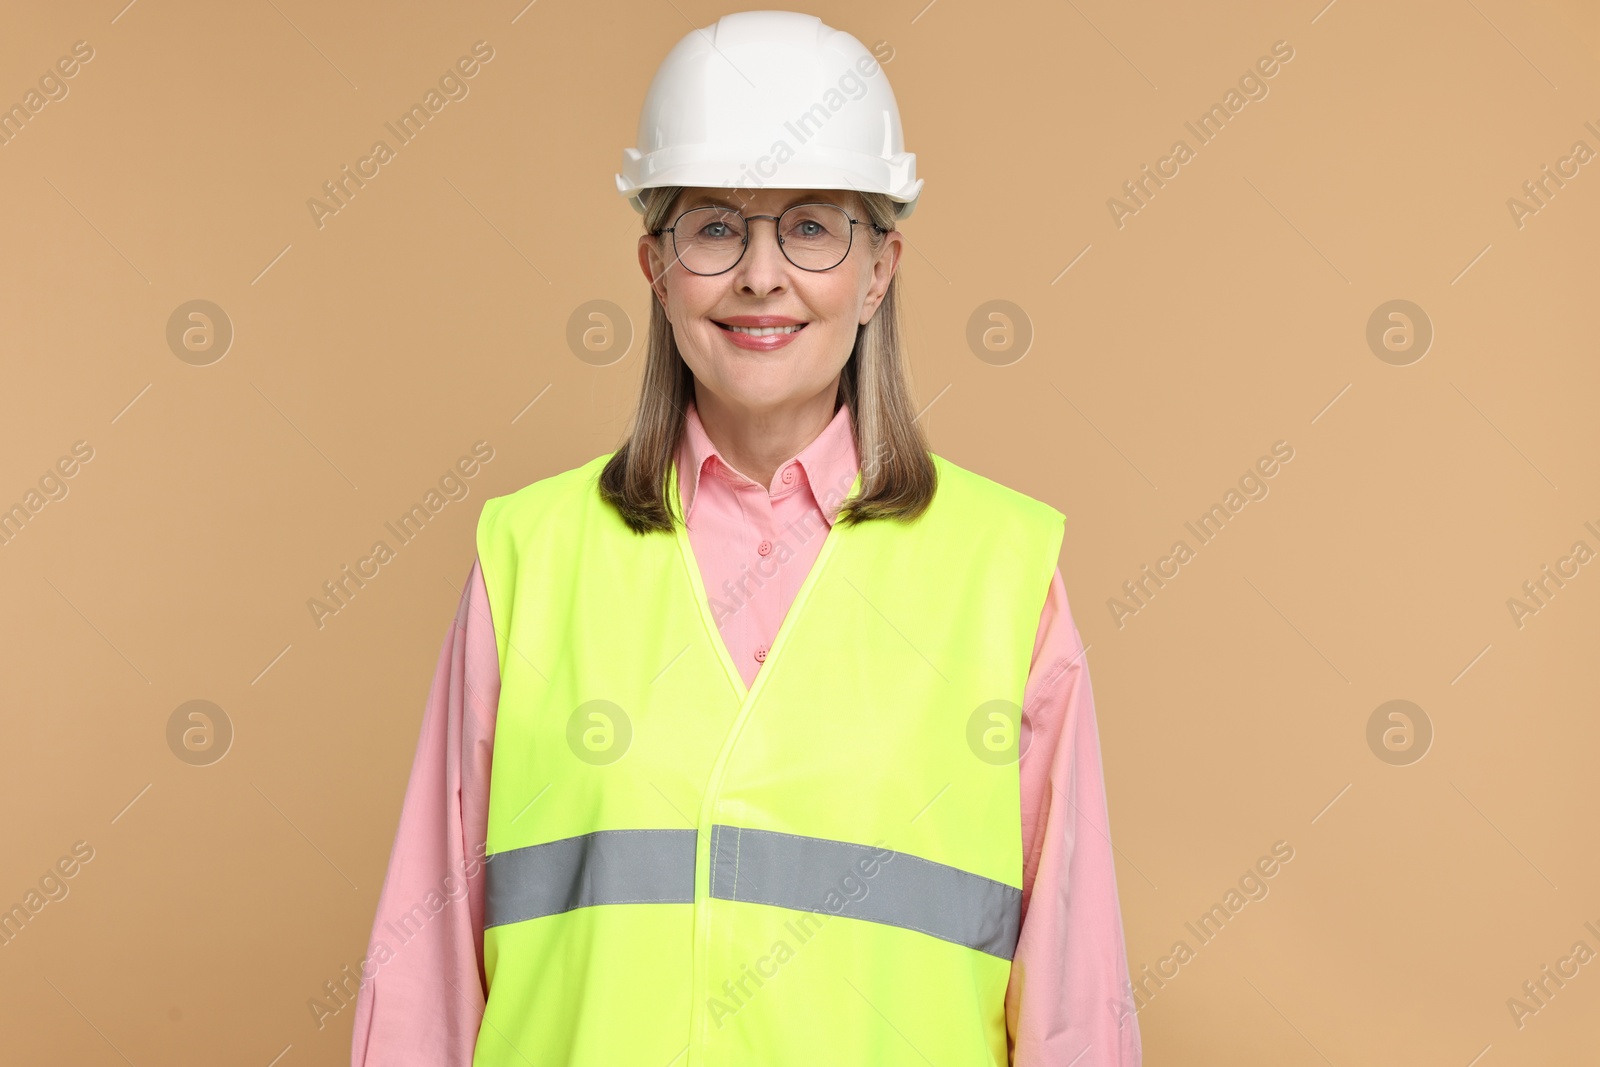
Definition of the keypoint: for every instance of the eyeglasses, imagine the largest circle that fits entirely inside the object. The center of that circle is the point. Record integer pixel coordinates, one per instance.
(814, 237)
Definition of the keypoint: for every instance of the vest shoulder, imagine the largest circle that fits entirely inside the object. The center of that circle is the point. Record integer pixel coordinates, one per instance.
(973, 489)
(552, 495)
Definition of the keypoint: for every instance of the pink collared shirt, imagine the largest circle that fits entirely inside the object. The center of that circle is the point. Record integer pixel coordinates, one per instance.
(424, 988)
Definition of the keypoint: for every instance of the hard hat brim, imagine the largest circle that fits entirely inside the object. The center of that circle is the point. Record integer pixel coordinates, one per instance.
(861, 174)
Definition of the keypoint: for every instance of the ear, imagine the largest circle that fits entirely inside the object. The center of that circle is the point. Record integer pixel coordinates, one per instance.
(884, 264)
(654, 265)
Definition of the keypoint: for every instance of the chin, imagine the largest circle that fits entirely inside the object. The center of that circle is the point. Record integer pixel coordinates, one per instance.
(761, 392)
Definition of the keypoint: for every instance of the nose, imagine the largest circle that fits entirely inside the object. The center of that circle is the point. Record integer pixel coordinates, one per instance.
(763, 266)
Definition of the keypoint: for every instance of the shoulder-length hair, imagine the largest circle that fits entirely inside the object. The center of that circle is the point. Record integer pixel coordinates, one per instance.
(898, 478)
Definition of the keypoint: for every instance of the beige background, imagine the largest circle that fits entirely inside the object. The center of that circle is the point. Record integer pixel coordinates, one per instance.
(1229, 313)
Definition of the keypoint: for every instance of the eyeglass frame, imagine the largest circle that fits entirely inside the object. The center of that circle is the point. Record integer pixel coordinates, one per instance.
(744, 242)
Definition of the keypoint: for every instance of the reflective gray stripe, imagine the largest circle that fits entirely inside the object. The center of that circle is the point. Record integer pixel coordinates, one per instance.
(605, 867)
(819, 874)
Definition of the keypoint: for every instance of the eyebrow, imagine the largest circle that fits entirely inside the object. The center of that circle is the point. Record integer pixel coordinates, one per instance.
(813, 196)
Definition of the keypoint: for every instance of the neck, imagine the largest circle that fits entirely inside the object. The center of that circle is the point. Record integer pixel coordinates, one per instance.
(757, 441)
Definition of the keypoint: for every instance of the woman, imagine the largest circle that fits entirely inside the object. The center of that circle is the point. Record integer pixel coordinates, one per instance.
(793, 745)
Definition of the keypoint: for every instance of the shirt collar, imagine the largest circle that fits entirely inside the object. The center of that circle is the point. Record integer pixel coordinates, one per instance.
(826, 468)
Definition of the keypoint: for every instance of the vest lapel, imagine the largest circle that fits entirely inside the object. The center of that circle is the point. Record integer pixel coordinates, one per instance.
(830, 544)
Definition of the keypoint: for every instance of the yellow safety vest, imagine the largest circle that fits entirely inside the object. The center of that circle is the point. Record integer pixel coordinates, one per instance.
(822, 871)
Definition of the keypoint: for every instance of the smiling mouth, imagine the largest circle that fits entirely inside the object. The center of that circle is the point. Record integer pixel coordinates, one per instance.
(762, 331)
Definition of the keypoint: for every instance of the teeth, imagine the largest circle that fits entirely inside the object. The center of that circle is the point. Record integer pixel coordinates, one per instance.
(762, 331)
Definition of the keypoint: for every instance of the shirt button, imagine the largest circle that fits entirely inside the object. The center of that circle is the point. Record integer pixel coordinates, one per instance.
(761, 655)
(765, 548)
(788, 474)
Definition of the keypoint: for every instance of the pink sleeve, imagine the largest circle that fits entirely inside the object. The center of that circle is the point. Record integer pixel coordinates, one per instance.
(1068, 1000)
(423, 990)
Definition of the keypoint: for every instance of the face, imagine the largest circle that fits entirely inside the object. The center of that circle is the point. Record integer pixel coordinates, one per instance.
(762, 375)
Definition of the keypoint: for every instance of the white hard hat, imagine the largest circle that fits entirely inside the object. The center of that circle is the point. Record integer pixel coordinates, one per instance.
(771, 99)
